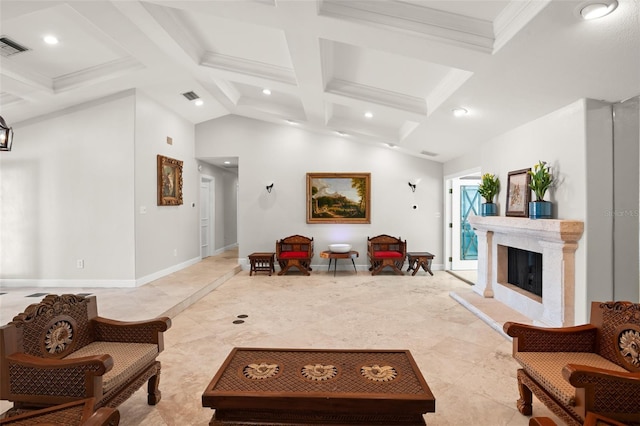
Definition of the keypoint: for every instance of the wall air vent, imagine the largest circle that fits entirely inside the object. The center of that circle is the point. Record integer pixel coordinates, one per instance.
(428, 153)
(9, 47)
(190, 96)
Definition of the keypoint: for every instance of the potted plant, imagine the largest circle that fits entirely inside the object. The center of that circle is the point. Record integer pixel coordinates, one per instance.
(541, 180)
(488, 189)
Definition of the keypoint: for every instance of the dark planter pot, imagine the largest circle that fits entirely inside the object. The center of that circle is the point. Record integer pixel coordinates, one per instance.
(489, 209)
(540, 209)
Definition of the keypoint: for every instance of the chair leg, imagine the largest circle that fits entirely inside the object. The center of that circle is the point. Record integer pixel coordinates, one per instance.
(524, 403)
(154, 394)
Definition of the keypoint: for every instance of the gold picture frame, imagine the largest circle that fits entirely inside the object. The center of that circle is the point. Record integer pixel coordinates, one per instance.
(169, 181)
(338, 197)
(518, 193)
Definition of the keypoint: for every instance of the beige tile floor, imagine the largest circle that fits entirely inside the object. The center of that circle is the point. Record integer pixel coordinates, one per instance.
(452, 333)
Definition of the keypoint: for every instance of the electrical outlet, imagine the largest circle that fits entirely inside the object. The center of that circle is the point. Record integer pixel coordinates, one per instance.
(80, 263)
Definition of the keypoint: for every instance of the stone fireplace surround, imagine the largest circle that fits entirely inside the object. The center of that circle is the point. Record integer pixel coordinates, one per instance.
(557, 240)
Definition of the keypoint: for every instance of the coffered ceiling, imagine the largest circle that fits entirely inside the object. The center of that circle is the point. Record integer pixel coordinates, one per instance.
(408, 63)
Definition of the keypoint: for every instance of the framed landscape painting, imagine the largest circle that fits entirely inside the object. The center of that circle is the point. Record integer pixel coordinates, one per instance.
(338, 197)
(169, 181)
(518, 193)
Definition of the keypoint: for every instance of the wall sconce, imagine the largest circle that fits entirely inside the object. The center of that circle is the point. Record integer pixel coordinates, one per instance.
(412, 186)
(6, 136)
(270, 187)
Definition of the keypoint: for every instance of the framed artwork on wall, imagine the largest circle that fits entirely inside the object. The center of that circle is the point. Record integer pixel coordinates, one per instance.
(518, 193)
(169, 181)
(338, 197)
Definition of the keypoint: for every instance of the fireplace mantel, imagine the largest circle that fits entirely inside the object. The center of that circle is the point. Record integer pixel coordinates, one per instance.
(569, 231)
(557, 240)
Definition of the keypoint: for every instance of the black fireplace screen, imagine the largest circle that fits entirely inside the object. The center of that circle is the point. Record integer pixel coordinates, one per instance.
(525, 270)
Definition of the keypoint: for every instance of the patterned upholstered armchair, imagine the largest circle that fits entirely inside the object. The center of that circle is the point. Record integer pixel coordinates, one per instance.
(386, 251)
(294, 251)
(77, 413)
(60, 350)
(592, 368)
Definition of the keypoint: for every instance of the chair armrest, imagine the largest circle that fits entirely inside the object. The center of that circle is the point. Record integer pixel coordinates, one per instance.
(150, 331)
(56, 377)
(529, 338)
(103, 416)
(605, 390)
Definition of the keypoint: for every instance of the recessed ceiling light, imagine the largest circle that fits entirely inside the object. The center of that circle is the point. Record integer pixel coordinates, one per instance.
(341, 133)
(291, 122)
(391, 145)
(598, 9)
(368, 114)
(199, 102)
(266, 92)
(49, 39)
(227, 162)
(459, 112)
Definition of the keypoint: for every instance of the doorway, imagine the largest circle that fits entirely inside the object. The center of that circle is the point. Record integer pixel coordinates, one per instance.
(463, 201)
(207, 219)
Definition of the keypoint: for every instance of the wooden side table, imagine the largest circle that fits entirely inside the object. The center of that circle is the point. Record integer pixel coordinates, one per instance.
(335, 256)
(419, 259)
(262, 262)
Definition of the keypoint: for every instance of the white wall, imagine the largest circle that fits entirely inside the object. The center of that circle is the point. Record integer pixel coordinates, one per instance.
(66, 193)
(284, 154)
(167, 237)
(576, 141)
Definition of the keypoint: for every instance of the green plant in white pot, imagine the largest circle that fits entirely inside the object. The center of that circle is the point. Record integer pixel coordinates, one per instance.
(488, 189)
(541, 181)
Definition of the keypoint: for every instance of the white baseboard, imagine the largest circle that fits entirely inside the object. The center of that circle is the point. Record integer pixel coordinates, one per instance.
(170, 270)
(80, 283)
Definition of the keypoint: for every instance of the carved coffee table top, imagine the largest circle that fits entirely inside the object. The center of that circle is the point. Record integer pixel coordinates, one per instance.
(365, 381)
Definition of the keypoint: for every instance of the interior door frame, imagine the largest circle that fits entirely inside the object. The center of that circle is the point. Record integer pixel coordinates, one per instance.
(448, 216)
(211, 180)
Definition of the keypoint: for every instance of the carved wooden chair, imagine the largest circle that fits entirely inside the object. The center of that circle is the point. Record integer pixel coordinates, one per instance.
(592, 368)
(386, 251)
(60, 350)
(591, 420)
(294, 251)
(77, 413)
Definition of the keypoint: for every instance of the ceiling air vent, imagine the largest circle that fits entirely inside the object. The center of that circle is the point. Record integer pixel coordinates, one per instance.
(190, 96)
(428, 153)
(9, 47)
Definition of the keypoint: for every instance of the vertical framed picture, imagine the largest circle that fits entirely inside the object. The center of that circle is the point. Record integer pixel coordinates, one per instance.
(169, 181)
(338, 197)
(518, 193)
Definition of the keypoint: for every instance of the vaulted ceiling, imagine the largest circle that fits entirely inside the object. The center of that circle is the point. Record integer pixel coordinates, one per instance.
(326, 62)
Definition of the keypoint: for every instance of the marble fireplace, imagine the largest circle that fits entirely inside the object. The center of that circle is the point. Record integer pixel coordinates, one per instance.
(555, 240)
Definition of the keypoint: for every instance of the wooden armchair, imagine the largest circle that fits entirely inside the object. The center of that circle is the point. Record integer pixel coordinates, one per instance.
(78, 413)
(591, 420)
(384, 251)
(294, 251)
(60, 350)
(592, 368)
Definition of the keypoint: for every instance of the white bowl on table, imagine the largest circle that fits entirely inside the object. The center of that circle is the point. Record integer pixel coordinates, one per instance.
(339, 248)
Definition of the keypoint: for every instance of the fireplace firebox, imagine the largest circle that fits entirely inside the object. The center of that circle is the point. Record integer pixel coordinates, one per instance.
(524, 270)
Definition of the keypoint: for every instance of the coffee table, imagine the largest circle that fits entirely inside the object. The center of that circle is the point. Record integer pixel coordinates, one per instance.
(261, 386)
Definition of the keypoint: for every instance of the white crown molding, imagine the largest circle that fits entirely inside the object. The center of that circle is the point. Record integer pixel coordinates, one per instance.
(98, 73)
(23, 75)
(248, 67)
(447, 87)
(513, 18)
(472, 33)
(398, 101)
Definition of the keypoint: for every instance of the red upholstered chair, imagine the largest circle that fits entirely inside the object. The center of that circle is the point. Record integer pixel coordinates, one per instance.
(384, 251)
(294, 251)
